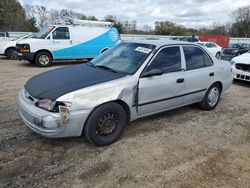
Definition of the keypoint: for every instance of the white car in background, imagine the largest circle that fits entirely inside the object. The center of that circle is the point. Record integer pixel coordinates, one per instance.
(241, 67)
(8, 48)
(212, 47)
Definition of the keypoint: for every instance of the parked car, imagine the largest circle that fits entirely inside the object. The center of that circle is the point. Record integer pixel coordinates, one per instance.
(130, 81)
(212, 47)
(234, 50)
(241, 67)
(8, 48)
(82, 39)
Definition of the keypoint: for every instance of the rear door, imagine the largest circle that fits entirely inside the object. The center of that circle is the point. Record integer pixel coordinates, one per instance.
(199, 73)
(61, 43)
(162, 92)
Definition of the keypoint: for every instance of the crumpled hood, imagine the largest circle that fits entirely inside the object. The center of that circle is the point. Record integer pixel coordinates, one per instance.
(244, 59)
(55, 83)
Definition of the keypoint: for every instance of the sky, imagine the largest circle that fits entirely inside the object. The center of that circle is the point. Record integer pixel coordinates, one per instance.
(190, 13)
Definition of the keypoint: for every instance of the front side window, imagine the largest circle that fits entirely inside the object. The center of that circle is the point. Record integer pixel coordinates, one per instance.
(196, 58)
(167, 60)
(61, 33)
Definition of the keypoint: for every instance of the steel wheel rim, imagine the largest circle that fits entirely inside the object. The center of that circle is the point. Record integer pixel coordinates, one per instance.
(44, 59)
(107, 125)
(11, 54)
(213, 96)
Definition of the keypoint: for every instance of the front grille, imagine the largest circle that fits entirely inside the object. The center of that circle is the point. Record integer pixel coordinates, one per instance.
(243, 67)
(29, 97)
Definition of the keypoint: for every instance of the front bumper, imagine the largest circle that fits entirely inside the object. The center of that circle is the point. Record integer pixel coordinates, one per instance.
(240, 74)
(49, 124)
(25, 56)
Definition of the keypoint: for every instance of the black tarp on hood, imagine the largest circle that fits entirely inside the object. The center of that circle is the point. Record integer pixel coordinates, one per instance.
(55, 83)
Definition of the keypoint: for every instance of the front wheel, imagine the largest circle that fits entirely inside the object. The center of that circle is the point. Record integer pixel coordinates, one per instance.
(106, 124)
(11, 53)
(211, 97)
(43, 59)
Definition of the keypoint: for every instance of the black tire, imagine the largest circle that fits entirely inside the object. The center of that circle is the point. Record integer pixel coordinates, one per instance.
(32, 62)
(43, 59)
(105, 124)
(206, 103)
(11, 53)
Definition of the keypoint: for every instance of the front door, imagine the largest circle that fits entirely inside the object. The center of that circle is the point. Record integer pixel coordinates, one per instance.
(161, 92)
(61, 43)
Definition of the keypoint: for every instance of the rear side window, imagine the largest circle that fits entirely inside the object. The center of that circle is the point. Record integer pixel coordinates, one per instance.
(167, 60)
(61, 33)
(196, 58)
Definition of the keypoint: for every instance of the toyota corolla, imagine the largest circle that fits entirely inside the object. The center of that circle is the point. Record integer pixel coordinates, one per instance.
(130, 81)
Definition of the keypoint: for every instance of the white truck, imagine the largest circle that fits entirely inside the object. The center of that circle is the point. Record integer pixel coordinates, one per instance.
(78, 39)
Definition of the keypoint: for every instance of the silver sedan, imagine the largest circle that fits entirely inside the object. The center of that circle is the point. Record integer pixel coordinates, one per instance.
(130, 81)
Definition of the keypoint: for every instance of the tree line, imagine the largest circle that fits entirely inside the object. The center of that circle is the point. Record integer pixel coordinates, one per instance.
(14, 17)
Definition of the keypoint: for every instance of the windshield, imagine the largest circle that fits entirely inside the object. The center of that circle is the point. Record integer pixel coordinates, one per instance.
(124, 57)
(43, 33)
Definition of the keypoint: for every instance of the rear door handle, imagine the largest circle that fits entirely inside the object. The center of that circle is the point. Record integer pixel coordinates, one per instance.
(180, 80)
(211, 74)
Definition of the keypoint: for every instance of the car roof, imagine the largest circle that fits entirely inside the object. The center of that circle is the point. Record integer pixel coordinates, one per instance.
(159, 43)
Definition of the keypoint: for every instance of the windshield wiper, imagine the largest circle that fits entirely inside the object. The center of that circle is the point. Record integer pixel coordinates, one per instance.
(106, 68)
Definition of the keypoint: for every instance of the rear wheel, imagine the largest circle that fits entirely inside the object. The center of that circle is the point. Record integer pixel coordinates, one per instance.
(43, 59)
(211, 97)
(106, 124)
(11, 53)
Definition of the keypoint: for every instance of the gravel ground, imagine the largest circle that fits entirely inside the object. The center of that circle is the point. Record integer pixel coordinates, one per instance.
(186, 147)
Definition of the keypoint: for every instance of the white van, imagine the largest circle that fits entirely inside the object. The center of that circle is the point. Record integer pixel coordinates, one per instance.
(78, 40)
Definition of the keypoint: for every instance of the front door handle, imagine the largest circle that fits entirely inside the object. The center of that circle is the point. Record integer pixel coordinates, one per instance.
(211, 74)
(180, 80)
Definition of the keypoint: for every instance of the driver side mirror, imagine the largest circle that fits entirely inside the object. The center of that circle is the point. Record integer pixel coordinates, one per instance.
(153, 72)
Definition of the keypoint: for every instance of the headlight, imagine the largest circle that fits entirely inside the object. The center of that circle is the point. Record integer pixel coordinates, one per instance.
(46, 104)
(25, 48)
(52, 106)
